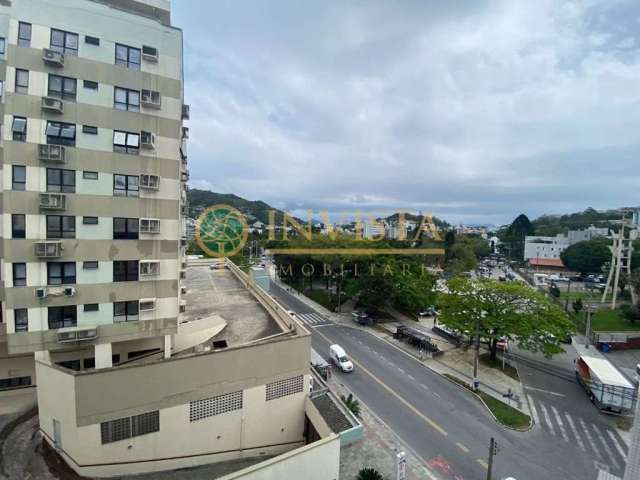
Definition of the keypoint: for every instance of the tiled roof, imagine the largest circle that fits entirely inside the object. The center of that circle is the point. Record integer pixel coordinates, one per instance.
(546, 262)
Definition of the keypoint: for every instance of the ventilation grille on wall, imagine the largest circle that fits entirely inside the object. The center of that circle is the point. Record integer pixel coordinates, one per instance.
(282, 388)
(210, 407)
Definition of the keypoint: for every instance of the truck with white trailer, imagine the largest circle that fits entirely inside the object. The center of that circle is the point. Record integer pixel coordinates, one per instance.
(607, 388)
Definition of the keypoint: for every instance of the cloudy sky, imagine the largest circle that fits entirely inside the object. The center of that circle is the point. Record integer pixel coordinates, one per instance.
(474, 111)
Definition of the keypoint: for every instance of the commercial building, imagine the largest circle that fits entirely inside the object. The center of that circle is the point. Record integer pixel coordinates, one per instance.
(542, 247)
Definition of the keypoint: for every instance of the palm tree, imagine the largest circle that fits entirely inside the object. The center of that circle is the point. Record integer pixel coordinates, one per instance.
(369, 474)
(352, 404)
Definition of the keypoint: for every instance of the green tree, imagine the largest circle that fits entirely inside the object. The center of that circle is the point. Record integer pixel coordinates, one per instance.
(513, 236)
(577, 305)
(461, 258)
(587, 257)
(554, 290)
(369, 474)
(509, 310)
(352, 404)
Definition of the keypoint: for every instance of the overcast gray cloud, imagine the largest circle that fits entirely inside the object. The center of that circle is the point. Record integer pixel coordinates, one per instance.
(473, 110)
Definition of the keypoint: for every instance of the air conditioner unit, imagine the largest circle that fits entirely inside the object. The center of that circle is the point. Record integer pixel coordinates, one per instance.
(184, 175)
(185, 132)
(147, 304)
(184, 210)
(185, 112)
(183, 274)
(183, 265)
(52, 104)
(149, 225)
(51, 153)
(183, 290)
(184, 242)
(48, 249)
(183, 306)
(53, 201)
(41, 292)
(149, 267)
(69, 291)
(183, 149)
(52, 57)
(150, 99)
(150, 54)
(76, 334)
(147, 140)
(150, 182)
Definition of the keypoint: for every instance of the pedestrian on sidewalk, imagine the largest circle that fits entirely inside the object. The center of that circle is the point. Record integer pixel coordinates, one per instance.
(421, 353)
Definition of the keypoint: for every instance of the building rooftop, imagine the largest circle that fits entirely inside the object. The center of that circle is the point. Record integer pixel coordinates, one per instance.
(219, 292)
(546, 262)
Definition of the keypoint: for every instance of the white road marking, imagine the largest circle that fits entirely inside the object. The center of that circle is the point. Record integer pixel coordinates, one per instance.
(563, 432)
(586, 431)
(545, 391)
(534, 411)
(606, 446)
(617, 444)
(575, 432)
(547, 418)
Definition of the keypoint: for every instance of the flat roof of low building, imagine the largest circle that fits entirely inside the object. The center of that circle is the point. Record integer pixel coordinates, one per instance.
(219, 292)
(546, 262)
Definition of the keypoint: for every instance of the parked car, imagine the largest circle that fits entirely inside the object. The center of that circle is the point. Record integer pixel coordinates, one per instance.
(339, 357)
(362, 318)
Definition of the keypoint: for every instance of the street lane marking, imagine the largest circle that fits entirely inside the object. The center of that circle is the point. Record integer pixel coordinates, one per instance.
(534, 412)
(484, 464)
(462, 447)
(617, 444)
(560, 423)
(392, 392)
(545, 391)
(586, 431)
(575, 432)
(547, 419)
(606, 446)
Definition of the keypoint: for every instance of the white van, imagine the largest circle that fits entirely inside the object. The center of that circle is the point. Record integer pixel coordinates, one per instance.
(339, 357)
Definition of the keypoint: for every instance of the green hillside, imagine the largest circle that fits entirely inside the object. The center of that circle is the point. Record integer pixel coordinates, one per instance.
(553, 224)
(253, 210)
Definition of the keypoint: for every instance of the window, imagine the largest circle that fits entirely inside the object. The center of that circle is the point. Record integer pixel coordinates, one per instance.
(59, 180)
(22, 81)
(125, 228)
(19, 274)
(90, 84)
(15, 382)
(2, 45)
(21, 319)
(125, 271)
(60, 317)
(149, 267)
(70, 364)
(64, 42)
(128, 427)
(126, 142)
(128, 57)
(151, 182)
(91, 307)
(61, 226)
(151, 98)
(90, 220)
(59, 133)
(210, 407)
(90, 129)
(125, 311)
(89, 363)
(62, 87)
(125, 185)
(87, 175)
(18, 177)
(125, 99)
(24, 34)
(19, 129)
(282, 388)
(149, 225)
(61, 273)
(90, 265)
(18, 225)
(91, 40)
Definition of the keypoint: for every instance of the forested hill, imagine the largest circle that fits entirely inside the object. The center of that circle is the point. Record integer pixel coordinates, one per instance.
(554, 224)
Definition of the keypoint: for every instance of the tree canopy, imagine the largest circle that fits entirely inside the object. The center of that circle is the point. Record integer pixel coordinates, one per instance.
(588, 256)
(509, 310)
(514, 235)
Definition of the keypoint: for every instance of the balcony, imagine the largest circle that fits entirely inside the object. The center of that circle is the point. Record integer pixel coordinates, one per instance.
(51, 153)
(76, 334)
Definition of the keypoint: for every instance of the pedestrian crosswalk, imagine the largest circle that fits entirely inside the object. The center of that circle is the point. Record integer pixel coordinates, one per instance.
(596, 439)
(313, 319)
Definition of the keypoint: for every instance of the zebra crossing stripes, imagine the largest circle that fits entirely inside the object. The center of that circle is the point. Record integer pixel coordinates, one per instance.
(615, 442)
(313, 319)
(576, 435)
(547, 419)
(600, 437)
(560, 423)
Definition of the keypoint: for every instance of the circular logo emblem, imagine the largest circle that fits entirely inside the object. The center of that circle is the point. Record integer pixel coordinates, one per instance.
(221, 231)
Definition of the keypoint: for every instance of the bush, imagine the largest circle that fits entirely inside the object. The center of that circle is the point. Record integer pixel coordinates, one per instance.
(369, 474)
(630, 312)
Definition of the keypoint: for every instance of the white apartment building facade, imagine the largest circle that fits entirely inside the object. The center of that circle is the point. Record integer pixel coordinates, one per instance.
(541, 247)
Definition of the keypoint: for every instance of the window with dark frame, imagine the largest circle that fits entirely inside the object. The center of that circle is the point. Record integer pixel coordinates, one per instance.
(90, 129)
(15, 382)
(22, 81)
(61, 181)
(90, 84)
(126, 185)
(61, 226)
(87, 175)
(19, 129)
(126, 99)
(24, 34)
(126, 142)
(125, 271)
(61, 317)
(62, 87)
(125, 228)
(64, 42)
(90, 265)
(91, 307)
(61, 273)
(59, 133)
(125, 311)
(18, 177)
(18, 225)
(90, 220)
(3, 45)
(128, 57)
(91, 40)
(21, 319)
(19, 274)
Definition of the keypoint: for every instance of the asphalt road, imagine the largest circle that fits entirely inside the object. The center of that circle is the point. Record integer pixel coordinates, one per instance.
(444, 426)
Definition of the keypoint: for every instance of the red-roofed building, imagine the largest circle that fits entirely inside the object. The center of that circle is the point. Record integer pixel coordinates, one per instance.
(547, 264)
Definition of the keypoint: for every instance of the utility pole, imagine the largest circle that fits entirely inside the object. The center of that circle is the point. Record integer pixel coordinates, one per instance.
(476, 358)
(493, 450)
(588, 331)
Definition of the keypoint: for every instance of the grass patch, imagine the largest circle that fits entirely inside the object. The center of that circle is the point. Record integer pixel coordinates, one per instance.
(612, 321)
(505, 414)
(323, 298)
(485, 359)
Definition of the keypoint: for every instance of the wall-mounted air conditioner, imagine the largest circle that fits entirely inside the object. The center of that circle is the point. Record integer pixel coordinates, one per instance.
(185, 112)
(183, 306)
(51, 153)
(150, 182)
(48, 249)
(41, 292)
(52, 104)
(149, 268)
(52, 57)
(150, 54)
(150, 99)
(69, 291)
(147, 140)
(53, 201)
(147, 304)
